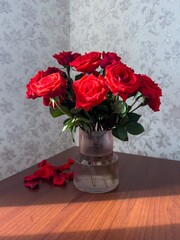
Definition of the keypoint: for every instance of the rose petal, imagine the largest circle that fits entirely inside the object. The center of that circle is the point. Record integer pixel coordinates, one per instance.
(70, 161)
(42, 163)
(59, 180)
(48, 172)
(66, 166)
(30, 178)
(44, 172)
(32, 185)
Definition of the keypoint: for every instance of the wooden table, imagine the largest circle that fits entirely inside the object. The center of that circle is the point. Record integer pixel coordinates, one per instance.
(146, 205)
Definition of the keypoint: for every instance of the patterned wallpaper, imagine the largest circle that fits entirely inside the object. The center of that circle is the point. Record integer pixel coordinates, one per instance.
(30, 33)
(146, 34)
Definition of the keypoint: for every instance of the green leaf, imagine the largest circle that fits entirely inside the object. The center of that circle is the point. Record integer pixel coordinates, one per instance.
(67, 121)
(65, 109)
(70, 123)
(85, 126)
(88, 116)
(134, 128)
(76, 123)
(133, 117)
(67, 124)
(55, 112)
(122, 121)
(119, 107)
(61, 108)
(84, 120)
(79, 76)
(68, 102)
(65, 128)
(102, 107)
(120, 133)
(75, 110)
(73, 129)
(109, 121)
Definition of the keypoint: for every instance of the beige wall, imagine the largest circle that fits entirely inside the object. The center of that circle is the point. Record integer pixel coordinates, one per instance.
(146, 34)
(30, 33)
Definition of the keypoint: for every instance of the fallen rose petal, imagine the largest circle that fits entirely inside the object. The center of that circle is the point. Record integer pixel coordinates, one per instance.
(44, 172)
(30, 178)
(32, 185)
(48, 172)
(57, 168)
(59, 180)
(70, 161)
(42, 163)
(66, 166)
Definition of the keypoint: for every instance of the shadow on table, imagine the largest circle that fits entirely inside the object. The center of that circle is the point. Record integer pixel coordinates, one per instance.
(162, 232)
(139, 177)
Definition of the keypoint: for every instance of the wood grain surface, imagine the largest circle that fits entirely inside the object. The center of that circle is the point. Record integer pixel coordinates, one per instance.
(145, 206)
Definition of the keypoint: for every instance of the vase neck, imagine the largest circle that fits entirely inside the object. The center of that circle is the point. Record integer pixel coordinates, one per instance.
(95, 143)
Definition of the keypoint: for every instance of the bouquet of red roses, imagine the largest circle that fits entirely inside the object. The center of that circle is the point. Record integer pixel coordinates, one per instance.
(103, 94)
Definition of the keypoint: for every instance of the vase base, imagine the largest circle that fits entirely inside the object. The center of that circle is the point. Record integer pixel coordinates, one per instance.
(99, 176)
(95, 189)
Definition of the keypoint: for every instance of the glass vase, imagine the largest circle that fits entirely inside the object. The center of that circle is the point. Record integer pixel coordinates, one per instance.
(96, 168)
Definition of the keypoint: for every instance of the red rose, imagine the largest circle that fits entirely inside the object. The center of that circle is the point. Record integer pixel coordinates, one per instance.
(37, 78)
(90, 91)
(121, 80)
(50, 86)
(109, 58)
(151, 91)
(87, 63)
(64, 58)
(51, 70)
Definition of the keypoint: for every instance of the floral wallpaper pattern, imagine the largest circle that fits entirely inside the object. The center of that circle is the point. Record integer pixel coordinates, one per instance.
(30, 33)
(146, 34)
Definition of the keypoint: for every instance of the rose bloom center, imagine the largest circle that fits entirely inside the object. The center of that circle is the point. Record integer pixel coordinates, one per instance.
(123, 77)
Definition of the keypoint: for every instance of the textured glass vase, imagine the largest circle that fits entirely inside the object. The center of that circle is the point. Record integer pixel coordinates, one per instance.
(96, 168)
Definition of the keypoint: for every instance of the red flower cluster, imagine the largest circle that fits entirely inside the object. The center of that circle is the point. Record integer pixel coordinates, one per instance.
(101, 96)
(57, 175)
(92, 89)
